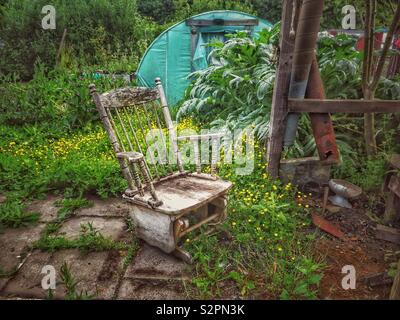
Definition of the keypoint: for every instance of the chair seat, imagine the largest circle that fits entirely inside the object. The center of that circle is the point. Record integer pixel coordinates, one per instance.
(185, 193)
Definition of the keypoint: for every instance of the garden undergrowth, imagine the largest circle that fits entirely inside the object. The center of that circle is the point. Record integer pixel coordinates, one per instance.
(267, 256)
(263, 249)
(89, 240)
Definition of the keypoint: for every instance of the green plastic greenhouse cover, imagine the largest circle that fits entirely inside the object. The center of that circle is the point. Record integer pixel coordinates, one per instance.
(170, 56)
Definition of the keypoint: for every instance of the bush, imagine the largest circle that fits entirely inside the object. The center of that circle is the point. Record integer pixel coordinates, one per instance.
(236, 89)
(96, 31)
(58, 98)
(75, 164)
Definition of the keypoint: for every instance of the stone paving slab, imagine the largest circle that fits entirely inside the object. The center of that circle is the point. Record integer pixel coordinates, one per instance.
(145, 289)
(89, 270)
(46, 208)
(97, 274)
(14, 241)
(152, 274)
(112, 207)
(3, 282)
(108, 227)
(152, 263)
(27, 282)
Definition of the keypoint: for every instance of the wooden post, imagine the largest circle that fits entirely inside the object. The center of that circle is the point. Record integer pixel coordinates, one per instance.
(395, 292)
(281, 89)
(392, 208)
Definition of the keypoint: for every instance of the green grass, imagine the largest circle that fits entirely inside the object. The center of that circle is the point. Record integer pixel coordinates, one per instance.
(13, 214)
(70, 282)
(88, 241)
(262, 250)
(132, 249)
(264, 218)
(68, 206)
(269, 255)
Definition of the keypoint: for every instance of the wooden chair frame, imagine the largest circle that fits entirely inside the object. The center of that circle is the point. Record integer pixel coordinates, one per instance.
(168, 208)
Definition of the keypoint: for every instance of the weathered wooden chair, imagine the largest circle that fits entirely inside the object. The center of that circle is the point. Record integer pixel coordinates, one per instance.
(167, 201)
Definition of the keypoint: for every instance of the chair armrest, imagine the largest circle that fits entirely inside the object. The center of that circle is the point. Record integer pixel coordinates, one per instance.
(130, 156)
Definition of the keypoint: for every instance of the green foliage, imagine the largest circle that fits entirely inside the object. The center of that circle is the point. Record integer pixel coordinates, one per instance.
(89, 240)
(54, 98)
(13, 214)
(159, 10)
(260, 248)
(52, 142)
(97, 30)
(332, 17)
(369, 175)
(236, 89)
(270, 10)
(303, 282)
(341, 71)
(74, 164)
(68, 206)
(187, 8)
(340, 65)
(71, 283)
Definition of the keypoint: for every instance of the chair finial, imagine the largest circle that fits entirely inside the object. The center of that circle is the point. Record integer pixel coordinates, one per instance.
(92, 88)
(158, 81)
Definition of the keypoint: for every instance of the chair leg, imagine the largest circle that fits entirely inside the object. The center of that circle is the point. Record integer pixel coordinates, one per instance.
(221, 208)
(183, 255)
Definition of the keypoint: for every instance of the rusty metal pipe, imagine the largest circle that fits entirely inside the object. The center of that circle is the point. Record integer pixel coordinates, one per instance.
(306, 38)
(321, 122)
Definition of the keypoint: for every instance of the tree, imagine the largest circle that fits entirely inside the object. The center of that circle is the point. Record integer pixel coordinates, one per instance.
(159, 10)
(372, 68)
(270, 10)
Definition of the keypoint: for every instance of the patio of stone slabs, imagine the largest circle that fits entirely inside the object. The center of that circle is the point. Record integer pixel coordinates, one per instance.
(151, 274)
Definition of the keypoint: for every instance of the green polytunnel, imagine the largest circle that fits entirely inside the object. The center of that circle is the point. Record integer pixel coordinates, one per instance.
(182, 48)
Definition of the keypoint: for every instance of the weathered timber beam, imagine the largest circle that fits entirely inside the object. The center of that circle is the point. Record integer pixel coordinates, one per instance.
(343, 106)
(282, 81)
(303, 55)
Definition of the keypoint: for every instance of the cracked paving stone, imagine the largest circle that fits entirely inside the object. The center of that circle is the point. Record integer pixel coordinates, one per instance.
(96, 271)
(105, 208)
(46, 208)
(145, 289)
(27, 282)
(3, 282)
(111, 227)
(152, 263)
(14, 241)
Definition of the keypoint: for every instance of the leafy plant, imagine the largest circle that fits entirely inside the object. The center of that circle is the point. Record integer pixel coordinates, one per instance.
(71, 285)
(89, 240)
(260, 249)
(97, 31)
(68, 206)
(13, 214)
(236, 89)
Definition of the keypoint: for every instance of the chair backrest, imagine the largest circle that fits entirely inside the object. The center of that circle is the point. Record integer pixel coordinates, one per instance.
(137, 119)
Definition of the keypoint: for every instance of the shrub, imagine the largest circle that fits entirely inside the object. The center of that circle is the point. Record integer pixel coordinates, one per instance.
(58, 98)
(96, 31)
